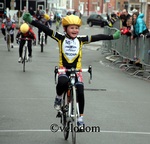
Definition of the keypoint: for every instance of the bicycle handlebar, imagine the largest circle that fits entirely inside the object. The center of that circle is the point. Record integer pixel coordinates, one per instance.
(73, 70)
(25, 39)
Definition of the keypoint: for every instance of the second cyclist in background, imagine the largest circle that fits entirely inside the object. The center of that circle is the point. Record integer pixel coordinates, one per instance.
(25, 31)
(58, 21)
(44, 19)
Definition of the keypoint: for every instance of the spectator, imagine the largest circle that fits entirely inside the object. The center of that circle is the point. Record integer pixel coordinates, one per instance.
(68, 13)
(108, 17)
(139, 29)
(125, 17)
(31, 11)
(113, 18)
(38, 12)
(127, 30)
(139, 26)
(77, 13)
(49, 14)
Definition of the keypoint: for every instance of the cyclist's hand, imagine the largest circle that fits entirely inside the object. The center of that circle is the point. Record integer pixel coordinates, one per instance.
(8, 29)
(117, 34)
(148, 35)
(27, 17)
(34, 42)
(17, 41)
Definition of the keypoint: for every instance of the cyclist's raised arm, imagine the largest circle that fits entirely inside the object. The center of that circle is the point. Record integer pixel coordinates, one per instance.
(42, 27)
(85, 39)
(55, 35)
(27, 18)
(98, 37)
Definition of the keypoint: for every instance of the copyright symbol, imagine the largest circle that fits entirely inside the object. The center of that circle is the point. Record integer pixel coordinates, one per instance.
(54, 127)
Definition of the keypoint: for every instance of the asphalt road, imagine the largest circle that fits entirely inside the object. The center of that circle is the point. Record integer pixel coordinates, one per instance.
(116, 102)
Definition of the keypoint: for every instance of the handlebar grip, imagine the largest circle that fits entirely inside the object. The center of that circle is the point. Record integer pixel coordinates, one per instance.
(56, 72)
(90, 71)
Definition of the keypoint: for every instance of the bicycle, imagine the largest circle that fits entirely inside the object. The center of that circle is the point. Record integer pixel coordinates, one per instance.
(42, 40)
(8, 39)
(69, 112)
(24, 55)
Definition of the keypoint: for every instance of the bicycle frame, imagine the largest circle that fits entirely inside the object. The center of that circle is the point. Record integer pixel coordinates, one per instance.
(70, 108)
(24, 55)
(8, 39)
(42, 40)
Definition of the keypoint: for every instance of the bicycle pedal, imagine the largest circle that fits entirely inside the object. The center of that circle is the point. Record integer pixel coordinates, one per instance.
(65, 109)
(81, 129)
(59, 114)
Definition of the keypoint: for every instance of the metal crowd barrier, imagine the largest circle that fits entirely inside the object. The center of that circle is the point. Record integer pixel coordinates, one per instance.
(129, 50)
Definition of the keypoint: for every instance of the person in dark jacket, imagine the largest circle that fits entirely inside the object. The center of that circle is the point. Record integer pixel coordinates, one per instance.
(31, 11)
(125, 17)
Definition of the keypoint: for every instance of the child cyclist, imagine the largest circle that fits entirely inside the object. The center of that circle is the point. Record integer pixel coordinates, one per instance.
(70, 54)
(8, 26)
(25, 31)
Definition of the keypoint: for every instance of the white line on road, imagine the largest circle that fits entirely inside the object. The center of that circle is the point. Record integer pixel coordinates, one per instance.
(102, 131)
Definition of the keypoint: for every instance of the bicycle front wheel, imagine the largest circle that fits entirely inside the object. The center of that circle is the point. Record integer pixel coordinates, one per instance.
(65, 122)
(42, 43)
(74, 115)
(8, 42)
(24, 59)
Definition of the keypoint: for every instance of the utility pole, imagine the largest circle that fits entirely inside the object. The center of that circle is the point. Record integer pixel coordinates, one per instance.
(4, 5)
(27, 5)
(121, 5)
(101, 7)
(88, 7)
(46, 4)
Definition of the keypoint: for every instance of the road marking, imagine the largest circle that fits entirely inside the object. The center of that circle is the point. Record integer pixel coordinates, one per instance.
(126, 132)
(23, 98)
(102, 131)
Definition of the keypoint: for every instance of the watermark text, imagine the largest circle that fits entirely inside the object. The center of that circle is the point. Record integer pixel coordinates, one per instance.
(55, 128)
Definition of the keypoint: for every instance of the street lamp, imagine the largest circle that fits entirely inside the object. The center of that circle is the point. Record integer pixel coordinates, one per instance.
(27, 5)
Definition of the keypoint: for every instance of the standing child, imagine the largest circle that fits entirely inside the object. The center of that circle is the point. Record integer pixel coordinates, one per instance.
(25, 31)
(70, 55)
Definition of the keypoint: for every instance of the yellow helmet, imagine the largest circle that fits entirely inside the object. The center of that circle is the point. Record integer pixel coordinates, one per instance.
(46, 16)
(24, 28)
(71, 20)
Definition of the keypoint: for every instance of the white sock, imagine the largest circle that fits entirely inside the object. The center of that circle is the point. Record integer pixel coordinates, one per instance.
(80, 118)
(59, 97)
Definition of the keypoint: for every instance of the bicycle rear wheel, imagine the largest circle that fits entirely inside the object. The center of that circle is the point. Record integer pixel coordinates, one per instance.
(24, 59)
(8, 42)
(42, 44)
(65, 122)
(74, 113)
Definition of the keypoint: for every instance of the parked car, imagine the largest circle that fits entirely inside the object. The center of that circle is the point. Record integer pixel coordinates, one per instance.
(97, 19)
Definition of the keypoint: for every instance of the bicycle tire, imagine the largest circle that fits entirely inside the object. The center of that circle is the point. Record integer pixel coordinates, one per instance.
(74, 113)
(66, 124)
(42, 45)
(8, 42)
(24, 59)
